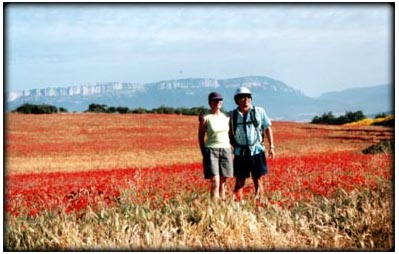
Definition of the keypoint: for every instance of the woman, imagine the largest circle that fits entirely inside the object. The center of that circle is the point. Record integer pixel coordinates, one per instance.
(216, 149)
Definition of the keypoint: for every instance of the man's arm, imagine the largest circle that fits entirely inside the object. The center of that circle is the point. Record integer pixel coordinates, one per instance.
(269, 137)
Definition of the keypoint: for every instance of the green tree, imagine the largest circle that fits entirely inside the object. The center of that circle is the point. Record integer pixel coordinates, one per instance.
(329, 118)
(97, 108)
(36, 109)
(140, 110)
(62, 109)
(112, 110)
(122, 110)
(326, 118)
(354, 116)
(382, 115)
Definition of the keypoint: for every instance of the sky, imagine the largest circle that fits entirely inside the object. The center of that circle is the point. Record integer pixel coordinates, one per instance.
(314, 48)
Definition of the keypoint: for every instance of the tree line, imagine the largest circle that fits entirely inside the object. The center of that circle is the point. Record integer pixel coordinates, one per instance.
(349, 117)
(28, 108)
(102, 108)
(326, 118)
(330, 118)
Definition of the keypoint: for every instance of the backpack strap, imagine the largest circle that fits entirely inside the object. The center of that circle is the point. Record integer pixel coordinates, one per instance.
(256, 123)
(253, 117)
(235, 116)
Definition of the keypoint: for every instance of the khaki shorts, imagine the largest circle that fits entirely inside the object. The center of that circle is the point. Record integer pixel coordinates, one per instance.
(218, 161)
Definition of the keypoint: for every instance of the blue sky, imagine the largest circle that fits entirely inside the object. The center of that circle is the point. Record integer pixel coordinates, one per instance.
(311, 47)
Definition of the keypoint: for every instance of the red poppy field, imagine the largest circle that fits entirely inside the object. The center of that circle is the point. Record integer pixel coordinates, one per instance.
(135, 182)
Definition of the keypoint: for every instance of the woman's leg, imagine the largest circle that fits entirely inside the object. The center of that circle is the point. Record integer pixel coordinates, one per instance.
(215, 185)
(222, 188)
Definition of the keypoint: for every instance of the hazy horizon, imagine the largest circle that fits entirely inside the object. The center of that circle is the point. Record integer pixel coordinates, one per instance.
(314, 48)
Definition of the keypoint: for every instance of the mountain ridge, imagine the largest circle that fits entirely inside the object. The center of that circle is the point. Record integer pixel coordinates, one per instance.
(281, 101)
(101, 87)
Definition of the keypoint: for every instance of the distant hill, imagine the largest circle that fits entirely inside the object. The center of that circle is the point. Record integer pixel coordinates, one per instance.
(372, 100)
(281, 101)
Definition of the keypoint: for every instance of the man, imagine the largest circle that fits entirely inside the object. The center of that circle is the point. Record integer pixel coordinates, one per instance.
(248, 125)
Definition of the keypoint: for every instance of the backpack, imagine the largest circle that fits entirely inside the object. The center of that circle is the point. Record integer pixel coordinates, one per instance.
(233, 126)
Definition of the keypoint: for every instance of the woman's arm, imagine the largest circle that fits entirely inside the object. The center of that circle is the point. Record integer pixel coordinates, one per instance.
(201, 134)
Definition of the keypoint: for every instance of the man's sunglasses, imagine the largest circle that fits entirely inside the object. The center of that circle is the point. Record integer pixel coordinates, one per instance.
(245, 96)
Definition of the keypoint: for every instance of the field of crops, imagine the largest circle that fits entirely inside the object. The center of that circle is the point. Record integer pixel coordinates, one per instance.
(135, 182)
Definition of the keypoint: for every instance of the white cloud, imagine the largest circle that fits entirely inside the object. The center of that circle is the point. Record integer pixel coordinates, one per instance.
(271, 35)
(186, 23)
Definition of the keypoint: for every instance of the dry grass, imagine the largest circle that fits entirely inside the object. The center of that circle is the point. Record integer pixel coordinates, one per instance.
(370, 121)
(359, 220)
(91, 161)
